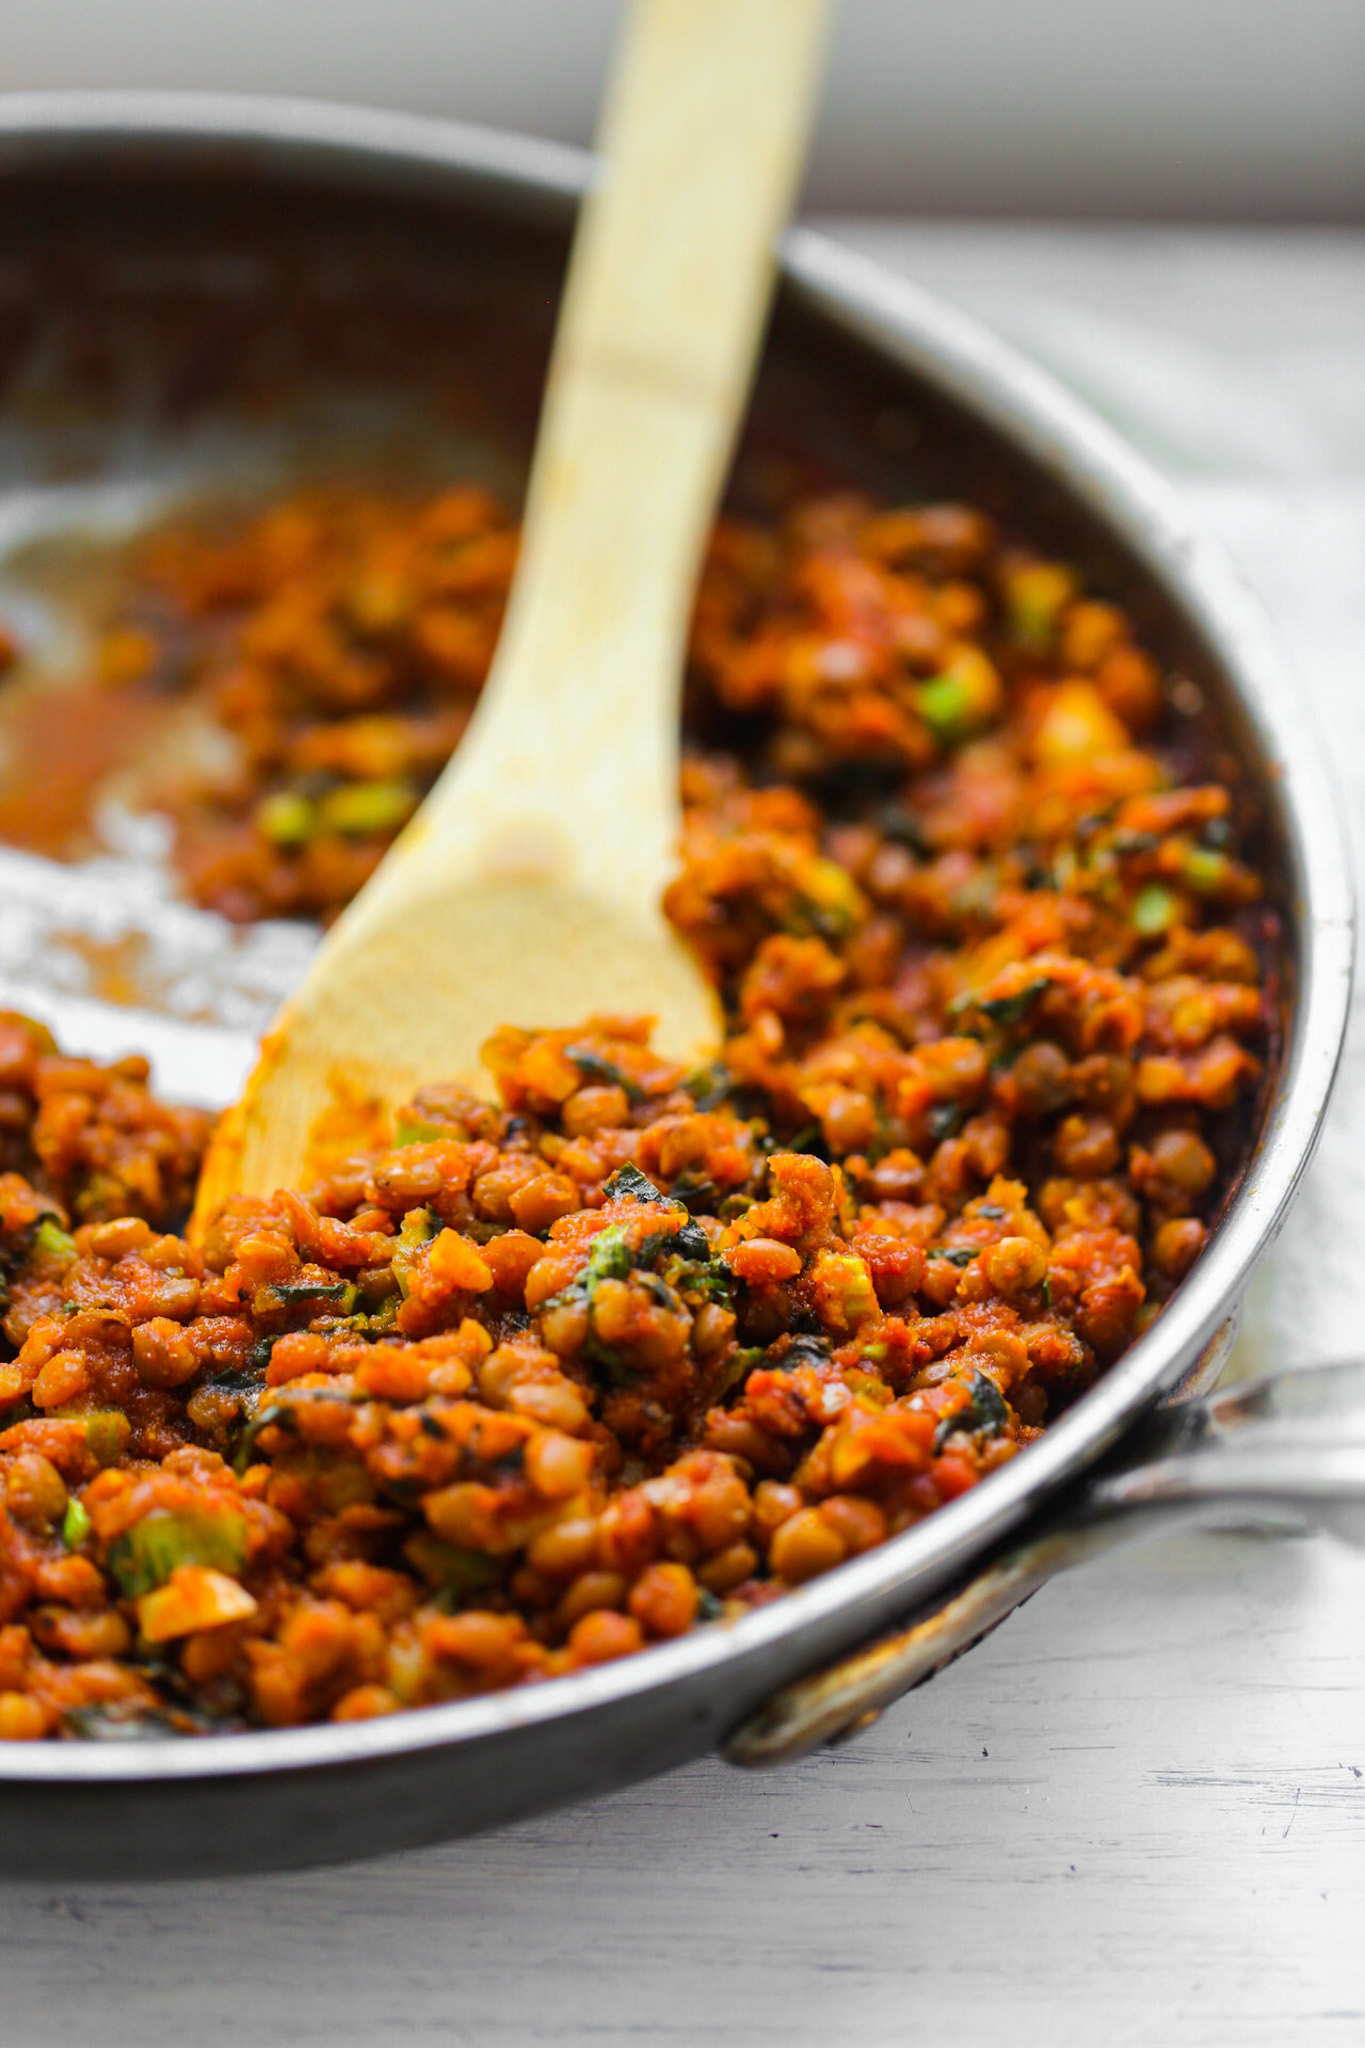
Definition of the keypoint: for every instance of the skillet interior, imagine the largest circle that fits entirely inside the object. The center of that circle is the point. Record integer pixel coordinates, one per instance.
(187, 311)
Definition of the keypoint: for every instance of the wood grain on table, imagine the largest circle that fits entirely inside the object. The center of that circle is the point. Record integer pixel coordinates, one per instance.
(1137, 1813)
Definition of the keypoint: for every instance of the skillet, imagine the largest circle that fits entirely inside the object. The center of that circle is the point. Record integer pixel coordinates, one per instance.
(231, 290)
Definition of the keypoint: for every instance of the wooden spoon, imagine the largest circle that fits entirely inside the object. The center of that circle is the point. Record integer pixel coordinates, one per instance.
(527, 889)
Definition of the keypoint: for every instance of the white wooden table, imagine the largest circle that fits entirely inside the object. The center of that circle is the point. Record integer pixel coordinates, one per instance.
(1136, 1814)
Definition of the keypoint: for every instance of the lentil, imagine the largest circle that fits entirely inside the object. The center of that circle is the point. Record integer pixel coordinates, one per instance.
(529, 1385)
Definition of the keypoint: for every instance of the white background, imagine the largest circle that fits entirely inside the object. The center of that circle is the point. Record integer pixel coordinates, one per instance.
(1248, 109)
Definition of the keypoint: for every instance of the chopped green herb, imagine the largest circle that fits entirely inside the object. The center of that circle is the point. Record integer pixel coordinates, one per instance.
(236, 1379)
(710, 1606)
(690, 1243)
(279, 1412)
(945, 1119)
(989, 1403)
(735, 1371)
(710, 1086)
(451, 1571)
(628, 1184)
(1011, 1010)
(609, 1259)
(1126, 841)
(986, 1410)
(695, 1191)
(261, 1419)
(75, 1524)
(955, 1254)
(106, 1724)
(805, 1349)
(599, 1069)
(900, 825)
(341, 1291)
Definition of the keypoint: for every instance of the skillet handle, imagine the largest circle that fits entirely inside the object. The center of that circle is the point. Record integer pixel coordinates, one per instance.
(1285, 1452)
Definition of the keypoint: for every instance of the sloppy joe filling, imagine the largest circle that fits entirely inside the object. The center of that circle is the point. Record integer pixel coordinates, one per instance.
(529, 1384)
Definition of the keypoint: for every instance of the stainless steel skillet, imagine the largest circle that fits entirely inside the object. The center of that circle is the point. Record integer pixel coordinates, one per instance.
(205, 292)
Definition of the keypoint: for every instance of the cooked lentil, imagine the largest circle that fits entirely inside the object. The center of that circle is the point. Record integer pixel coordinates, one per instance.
(530, 1386)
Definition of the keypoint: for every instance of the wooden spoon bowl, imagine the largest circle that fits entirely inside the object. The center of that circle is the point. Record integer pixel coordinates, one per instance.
(527, 890)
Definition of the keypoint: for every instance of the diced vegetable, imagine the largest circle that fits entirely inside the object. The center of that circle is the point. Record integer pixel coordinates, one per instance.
(418, 1228)
(194, 1597)
(357, 809)
(415, 1131)
(450, 1570)
(50, 1241)
(151, 1550)
(830, 903)
(1206, 871)
(107, 1431)
(286, 818)
(1035, 595)
(960, 701)
(942, 704)
(1154, 911)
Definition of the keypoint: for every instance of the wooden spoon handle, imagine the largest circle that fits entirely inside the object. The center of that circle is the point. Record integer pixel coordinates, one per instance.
(570, 766)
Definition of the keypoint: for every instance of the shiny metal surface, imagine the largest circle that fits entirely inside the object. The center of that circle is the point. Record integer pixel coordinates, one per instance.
(1283, 1452)
(305, 1795)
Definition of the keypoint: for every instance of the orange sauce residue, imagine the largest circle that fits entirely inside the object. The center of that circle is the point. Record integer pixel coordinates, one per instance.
(57, 745)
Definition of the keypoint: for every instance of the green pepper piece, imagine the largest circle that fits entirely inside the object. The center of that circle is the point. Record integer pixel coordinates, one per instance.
(1154, 911)
(413, 1131)
(450, 1570)
(286, 818)
(358, 809)
(52, 1242)
(828, 903)
(1205, 871)
(942, 704)
(149, 1552)
(107, 1431)
(1035, 594)
(418, 1228)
